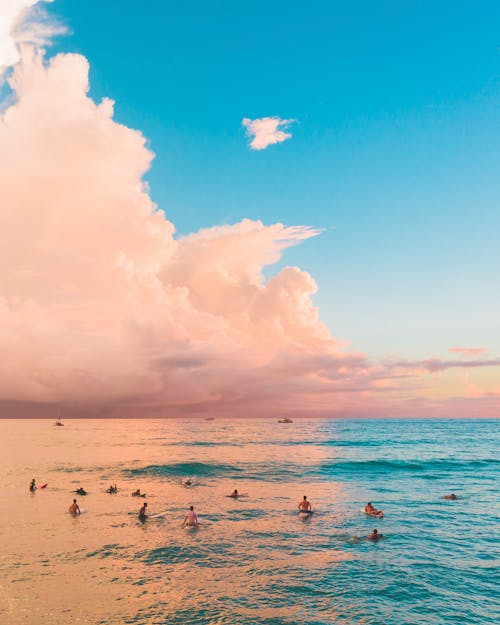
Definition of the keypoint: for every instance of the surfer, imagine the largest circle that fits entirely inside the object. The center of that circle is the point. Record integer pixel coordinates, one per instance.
(80, 491)
(33, 486)
(142, 512)
(112, 489)
(187, 482)
(74, 509)
(452, 497)
(304, 505)
(374, 535)
(372, 511)
(234, 494)
(137, 493)
(191, 519)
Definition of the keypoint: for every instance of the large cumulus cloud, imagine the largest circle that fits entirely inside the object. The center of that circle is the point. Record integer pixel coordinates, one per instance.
(101, 305)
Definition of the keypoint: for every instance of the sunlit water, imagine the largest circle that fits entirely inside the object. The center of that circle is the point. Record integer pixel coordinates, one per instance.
(253, 560)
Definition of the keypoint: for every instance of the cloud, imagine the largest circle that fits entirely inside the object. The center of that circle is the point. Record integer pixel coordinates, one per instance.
(468, 352)
(24, 22)
(434, 365)
(100, 303)
(266, 131)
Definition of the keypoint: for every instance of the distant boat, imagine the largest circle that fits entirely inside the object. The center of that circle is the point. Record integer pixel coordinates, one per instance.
(210, 419)
(285, 420)
(58, 421)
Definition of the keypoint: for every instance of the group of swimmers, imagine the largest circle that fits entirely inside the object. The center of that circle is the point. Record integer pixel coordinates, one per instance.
(191, 518)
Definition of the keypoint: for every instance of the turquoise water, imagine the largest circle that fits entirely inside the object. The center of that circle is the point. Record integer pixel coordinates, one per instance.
(254, 560)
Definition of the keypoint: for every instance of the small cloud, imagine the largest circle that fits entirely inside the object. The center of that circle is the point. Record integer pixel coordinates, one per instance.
(265, 131)
(468, 351)
(433, 365)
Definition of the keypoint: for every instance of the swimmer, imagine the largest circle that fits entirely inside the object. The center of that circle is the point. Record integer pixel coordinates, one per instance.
(374, 535)
(304, 505)
(112, 489)
(372, 511)
(74, 509)
(187, 482)
(80, 491)
(136, 493)
(452, 497)
(191, 519)
(142, 512)
(33, 486)
(234, 494)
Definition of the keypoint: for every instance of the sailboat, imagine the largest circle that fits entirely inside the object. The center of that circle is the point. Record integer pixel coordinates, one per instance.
(58, 420)
(285, 420)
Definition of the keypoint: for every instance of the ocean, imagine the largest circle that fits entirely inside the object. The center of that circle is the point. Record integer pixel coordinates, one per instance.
(253, 560)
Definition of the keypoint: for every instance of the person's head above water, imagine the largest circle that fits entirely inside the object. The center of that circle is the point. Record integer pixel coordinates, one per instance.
(191, 507)
(74, 500)
(305, 497)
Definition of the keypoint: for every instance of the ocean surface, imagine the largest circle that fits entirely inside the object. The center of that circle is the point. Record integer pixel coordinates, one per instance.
(253, 560)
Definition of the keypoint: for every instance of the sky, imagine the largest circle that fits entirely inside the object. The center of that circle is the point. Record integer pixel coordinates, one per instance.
(300, 200)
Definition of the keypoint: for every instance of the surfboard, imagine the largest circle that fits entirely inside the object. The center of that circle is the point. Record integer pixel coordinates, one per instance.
(159, 515)
(375, 516)
(44, 485)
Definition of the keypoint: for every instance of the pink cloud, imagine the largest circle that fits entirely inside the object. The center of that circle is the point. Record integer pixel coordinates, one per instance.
(99, 302)
(434, 365)
(266, 131)
(468, 351)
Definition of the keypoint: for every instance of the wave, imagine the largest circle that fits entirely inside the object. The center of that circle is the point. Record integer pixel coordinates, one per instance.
(278, 472)
(389, 466)
(184, 469)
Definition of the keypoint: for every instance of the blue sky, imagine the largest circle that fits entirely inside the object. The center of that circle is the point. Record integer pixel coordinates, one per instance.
(394, 155)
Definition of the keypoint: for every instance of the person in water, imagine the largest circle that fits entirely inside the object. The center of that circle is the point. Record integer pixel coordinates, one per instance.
(191, 519)
(304, 505)
(371, 510)
(74, 509)
(142, 512)
(113, 489)
(33, 486)
(234, 494)
(136, 493)
(452, 497)
(374, 535)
